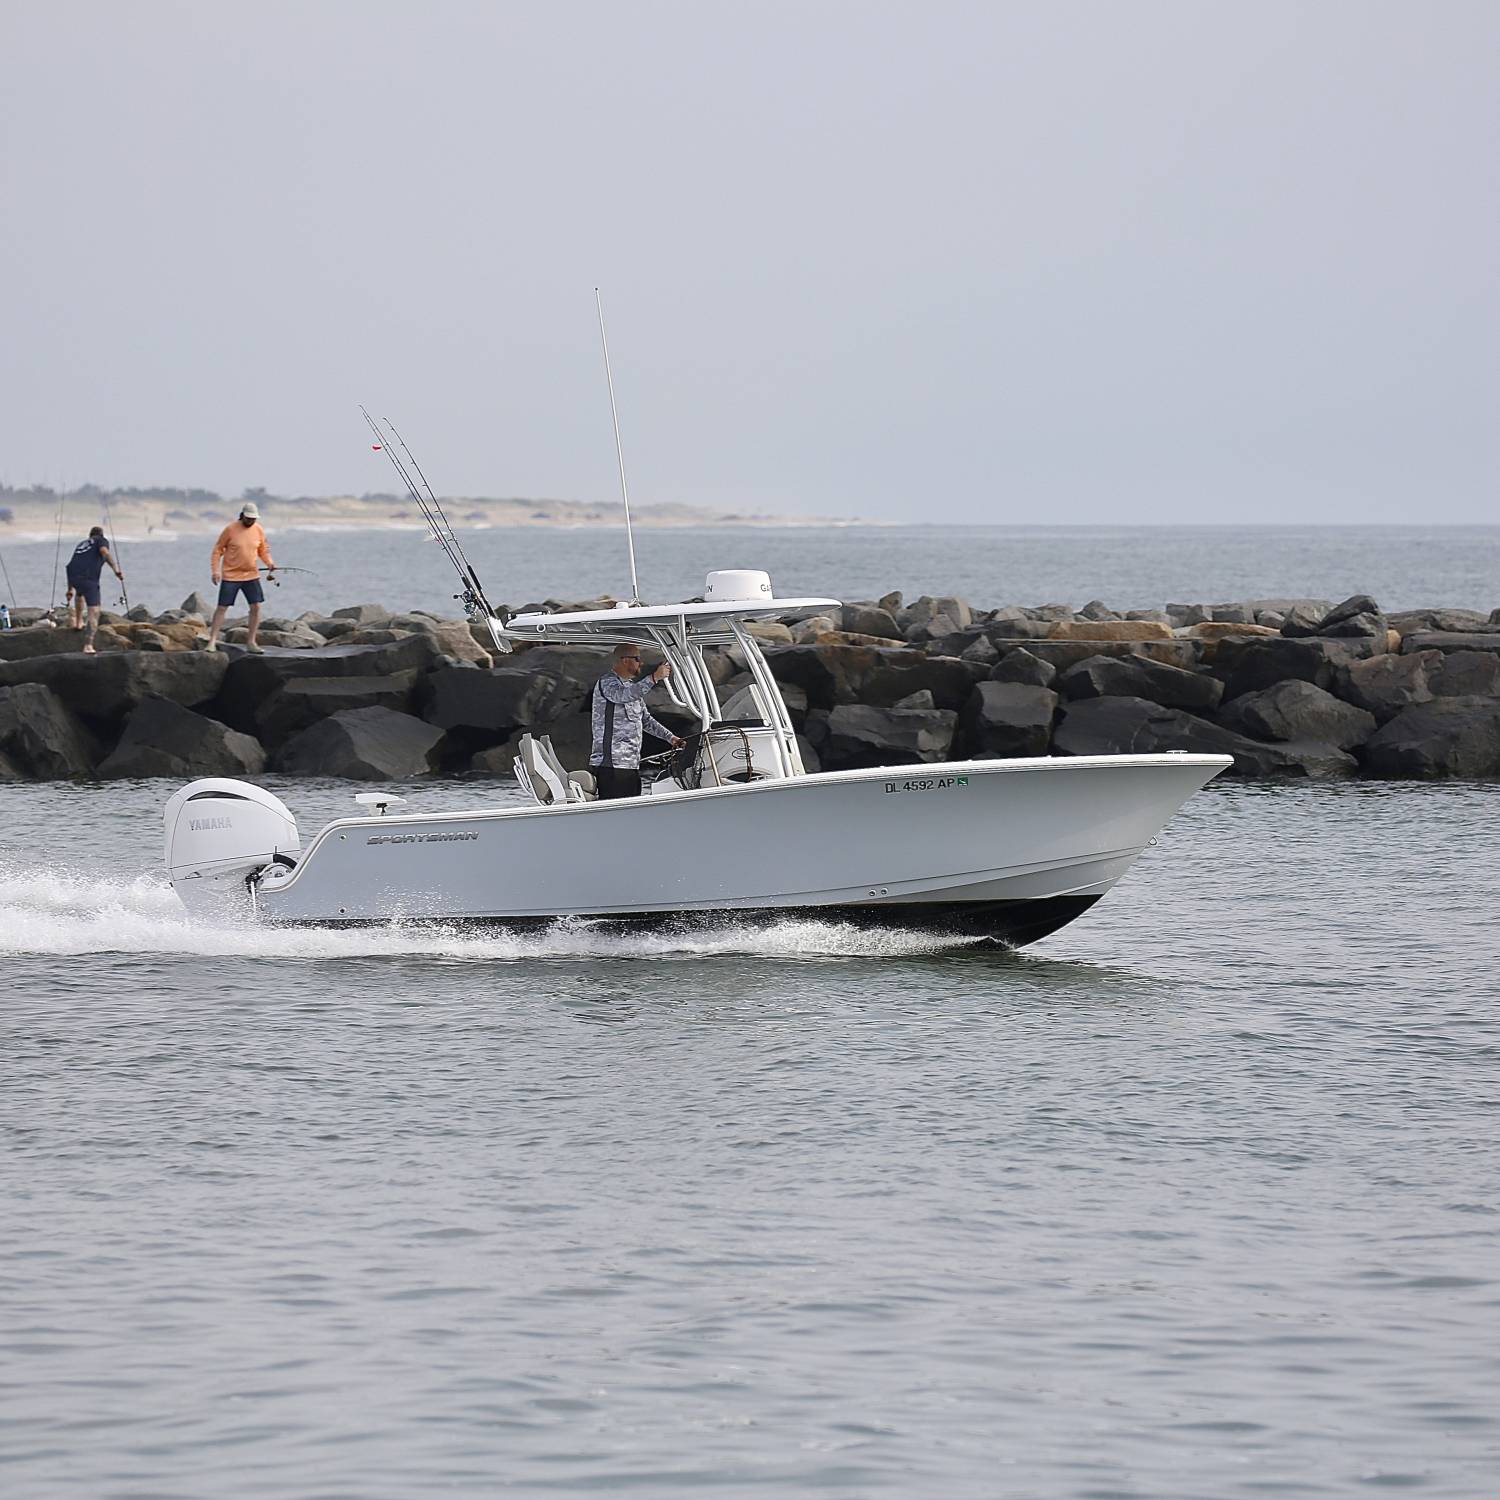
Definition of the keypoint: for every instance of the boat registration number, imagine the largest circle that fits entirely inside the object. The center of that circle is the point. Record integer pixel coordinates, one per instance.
(927, 784)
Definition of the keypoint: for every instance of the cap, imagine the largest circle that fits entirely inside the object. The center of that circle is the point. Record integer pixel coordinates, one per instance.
(251, 509)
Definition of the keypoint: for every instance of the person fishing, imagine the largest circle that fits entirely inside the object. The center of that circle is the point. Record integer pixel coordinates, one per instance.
(620, 720)
(234, 566)
(84, 569)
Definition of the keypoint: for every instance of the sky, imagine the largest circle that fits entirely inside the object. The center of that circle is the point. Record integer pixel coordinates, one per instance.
(1050, 262)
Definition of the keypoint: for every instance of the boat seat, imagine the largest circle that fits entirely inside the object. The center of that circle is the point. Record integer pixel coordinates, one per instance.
(581, 784)
(541, 772)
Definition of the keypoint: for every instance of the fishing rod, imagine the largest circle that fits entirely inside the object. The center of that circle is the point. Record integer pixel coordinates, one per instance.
(271, 573)
(473, 598)
(635, 588)
(114, 542)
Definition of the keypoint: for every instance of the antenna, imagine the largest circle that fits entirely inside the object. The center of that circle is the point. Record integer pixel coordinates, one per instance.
(635, 588)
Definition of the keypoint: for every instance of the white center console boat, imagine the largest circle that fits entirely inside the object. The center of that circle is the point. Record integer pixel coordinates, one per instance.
(733, 824)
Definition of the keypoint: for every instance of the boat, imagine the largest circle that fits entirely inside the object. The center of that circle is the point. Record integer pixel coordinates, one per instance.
(733, 824)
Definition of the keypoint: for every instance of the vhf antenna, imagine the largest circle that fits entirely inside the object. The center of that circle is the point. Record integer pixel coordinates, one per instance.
(635, 588)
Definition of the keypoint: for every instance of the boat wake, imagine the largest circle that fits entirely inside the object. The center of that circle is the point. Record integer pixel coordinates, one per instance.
(58, 913)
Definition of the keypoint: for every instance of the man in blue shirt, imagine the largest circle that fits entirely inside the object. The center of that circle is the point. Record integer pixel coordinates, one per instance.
(84, 568)
(620, 719)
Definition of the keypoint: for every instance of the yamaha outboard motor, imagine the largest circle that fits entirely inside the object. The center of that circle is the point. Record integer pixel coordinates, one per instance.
(220, 835)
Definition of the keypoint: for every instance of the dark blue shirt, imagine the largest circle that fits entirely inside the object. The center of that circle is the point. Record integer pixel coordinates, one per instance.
(86, 563)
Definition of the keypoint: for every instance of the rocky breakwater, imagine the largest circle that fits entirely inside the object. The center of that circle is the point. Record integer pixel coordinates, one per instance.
(1285, 687)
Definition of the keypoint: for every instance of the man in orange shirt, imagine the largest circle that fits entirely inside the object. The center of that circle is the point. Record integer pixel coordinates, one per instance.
(234, 566)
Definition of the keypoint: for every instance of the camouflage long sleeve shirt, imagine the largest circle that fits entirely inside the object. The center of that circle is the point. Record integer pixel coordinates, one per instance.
(620, 718)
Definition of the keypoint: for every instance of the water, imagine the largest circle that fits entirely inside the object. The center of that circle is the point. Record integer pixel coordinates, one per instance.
(1194, 1199)
(1141, 567)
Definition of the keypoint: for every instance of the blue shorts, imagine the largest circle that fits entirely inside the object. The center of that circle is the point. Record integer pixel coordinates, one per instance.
(254, 593)
(88, 591)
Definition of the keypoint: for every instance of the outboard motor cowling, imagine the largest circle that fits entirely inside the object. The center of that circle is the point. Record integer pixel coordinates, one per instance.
(219, 833)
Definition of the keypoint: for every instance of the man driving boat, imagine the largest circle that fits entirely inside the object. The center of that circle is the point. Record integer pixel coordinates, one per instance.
(620, 719)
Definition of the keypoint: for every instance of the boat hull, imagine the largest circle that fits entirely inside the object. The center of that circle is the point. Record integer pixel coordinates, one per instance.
(1004, 849)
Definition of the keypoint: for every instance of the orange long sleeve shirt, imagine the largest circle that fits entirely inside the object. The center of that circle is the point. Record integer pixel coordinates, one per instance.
(239, 547)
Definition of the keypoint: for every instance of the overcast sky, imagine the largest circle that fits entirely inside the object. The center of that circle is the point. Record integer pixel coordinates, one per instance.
(1028, 263)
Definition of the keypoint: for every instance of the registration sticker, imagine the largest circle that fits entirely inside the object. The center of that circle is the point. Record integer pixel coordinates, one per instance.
(927, 784)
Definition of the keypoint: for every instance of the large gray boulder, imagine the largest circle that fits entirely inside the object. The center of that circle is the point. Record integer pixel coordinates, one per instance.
(1021, 628)
(1182, 615)
(40, 737)
(870, 619)
(1303, 618)
(983, 652)
(1023, 666)
(1464, 674)
(1358, 616)
(583, 665)
(499, 701)
(1140, 677)
(326, 626)
(1446, 737)
(1133, 726)
(1231, 614)
(363, 744)
(250, 680)
(452, 637)
(1384, 685)
(1450, 640)
(921, 613)
(1257, 662)
(1184, 652)
(363, 614)
(164, 739)
(45, 640)
(1299, 711)
(873, 675)
(304, 701)
(1466, 621)
(102, 690)
(856, 736)
(1004, 719)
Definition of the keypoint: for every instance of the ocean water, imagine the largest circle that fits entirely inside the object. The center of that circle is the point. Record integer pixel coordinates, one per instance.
(1196, 1198)
(1140, 567)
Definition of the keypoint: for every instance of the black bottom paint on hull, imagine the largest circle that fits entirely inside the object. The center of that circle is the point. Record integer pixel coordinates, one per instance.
(1011, 923)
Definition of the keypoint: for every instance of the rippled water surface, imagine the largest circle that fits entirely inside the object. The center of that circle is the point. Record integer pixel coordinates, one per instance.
(1129, 567)
(1197, 1198)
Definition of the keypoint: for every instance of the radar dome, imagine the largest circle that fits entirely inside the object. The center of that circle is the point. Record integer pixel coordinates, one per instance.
(737, 586)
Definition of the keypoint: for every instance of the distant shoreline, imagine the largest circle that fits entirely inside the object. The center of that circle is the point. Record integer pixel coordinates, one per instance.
(31, 515)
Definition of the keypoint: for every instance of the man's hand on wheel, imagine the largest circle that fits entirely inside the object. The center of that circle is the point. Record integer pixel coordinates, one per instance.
(678, 742)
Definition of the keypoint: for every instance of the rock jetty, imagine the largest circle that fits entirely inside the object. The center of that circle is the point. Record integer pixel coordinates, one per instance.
(1287, 687)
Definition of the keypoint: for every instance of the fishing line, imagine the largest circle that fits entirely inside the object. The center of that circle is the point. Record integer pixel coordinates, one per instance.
(57, 554)
(114, 542)
(10, 591)
(384, 446)
(473, 597)
(443, 515)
